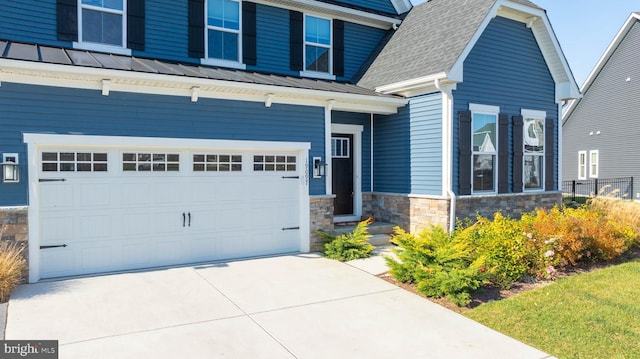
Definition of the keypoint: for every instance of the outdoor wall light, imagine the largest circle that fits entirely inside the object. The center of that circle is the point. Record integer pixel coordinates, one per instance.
(319, 168)
(10, 169)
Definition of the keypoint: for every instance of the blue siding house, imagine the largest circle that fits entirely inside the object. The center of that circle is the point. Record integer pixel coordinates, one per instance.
(143, 133)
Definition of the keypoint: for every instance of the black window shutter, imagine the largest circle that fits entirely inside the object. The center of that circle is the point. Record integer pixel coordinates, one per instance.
(67, 20)
(338, 47)
(135, 24)
(503, 153)
(196, 28)
(249, 56)
(549, 150)
(464, 146)
(296, 39)
(518, 122)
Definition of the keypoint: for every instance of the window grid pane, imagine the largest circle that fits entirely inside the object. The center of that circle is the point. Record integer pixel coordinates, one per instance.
(217, 163)
(150, 162)
(74, 162)
(274, 163)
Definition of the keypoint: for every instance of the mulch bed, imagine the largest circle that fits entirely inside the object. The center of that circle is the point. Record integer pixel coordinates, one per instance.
(488, 294)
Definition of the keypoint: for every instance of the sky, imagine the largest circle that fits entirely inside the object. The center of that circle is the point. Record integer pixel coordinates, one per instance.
(584, 28)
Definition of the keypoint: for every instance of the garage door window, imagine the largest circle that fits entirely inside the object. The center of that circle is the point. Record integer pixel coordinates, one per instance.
(150, 162)
(267, 163)
(217, 163)
(74, 162)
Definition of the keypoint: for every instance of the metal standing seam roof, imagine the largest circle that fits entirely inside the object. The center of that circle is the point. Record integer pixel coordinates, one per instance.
(82, 58)
(429, 41)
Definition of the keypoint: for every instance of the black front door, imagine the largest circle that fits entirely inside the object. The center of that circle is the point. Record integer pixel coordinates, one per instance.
(342, 171)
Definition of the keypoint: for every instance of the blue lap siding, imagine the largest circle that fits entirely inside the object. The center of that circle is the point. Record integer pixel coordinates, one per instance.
(41, 109)
(408, 148)
(166, 34)
(505, 68)
(378, 5)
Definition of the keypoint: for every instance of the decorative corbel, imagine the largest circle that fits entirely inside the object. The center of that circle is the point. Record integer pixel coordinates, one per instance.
(268, 100)
(195, 92)
(531, 20)
(105, 87)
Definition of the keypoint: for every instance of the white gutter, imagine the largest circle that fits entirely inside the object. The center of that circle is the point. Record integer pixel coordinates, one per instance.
(447, 149)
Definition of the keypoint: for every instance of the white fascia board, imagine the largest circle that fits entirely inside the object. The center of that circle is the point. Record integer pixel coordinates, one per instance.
(129, 81)
(40, 139)
(603, 60)
(337, 12)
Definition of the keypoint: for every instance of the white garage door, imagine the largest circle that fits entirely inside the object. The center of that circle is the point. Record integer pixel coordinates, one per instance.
(105, 209)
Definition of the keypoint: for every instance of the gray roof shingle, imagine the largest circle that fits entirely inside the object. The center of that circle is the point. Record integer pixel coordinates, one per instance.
(430, 40)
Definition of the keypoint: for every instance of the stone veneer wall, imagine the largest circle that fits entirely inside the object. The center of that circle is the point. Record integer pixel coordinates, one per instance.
(14, 228)
(413, 213)
(513, 205)
(321, 211)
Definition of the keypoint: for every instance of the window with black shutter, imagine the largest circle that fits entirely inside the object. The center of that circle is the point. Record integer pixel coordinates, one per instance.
(196, 28)
(503, 153)
(338, 47)
(517, 154)
(464, 160)
(249, 45)
(135, 24)
(550, 124)
(67, 20)
(296, 40)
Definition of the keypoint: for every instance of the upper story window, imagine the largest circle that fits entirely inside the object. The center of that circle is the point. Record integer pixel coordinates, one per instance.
(102, 22)
(317, 45)
(223, 32)
(484, 135)
(533, 151)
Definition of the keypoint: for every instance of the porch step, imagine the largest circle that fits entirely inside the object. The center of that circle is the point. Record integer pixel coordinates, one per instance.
(380, 232)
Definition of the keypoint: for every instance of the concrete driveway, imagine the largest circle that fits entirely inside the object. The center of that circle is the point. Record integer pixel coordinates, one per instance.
(298, 306)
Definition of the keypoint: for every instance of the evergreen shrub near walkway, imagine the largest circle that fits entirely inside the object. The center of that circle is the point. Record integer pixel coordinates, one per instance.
(12, 265)
(503, 250)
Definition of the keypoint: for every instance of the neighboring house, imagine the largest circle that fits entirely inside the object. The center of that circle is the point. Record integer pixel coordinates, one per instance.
(156, 132)
(601, 131)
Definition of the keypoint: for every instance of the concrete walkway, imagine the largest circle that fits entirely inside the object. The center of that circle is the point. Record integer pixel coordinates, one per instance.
(298, 306)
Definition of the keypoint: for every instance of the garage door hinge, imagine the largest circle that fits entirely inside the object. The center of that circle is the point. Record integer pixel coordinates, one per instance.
(290, 228)
(56, 246)
(51, 180)
(291, 177)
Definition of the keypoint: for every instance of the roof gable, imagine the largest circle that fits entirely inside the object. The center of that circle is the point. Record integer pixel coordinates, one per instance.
(435, 38)
(632, 20)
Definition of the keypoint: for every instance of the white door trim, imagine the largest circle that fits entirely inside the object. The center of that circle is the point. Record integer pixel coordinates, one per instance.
(356, 131)
(36, 141)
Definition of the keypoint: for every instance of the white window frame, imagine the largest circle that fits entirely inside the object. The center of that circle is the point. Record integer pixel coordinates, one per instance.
(536, 115)
(317, 74)
(220, 62)
(493, 111)
(92, 46)
(594, 168)
(582, 165)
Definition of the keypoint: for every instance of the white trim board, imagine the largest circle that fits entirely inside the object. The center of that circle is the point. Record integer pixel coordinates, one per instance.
(356, 131)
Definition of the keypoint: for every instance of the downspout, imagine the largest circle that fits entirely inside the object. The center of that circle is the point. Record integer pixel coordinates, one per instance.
(371, 154)
(448, 149)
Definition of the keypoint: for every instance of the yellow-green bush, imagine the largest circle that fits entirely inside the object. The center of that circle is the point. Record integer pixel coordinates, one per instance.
(440, 264)
(348, 246)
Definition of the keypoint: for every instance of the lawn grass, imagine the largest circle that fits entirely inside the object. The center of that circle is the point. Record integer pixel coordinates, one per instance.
(591, 315)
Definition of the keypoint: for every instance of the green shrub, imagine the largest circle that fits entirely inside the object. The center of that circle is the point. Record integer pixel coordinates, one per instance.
(348, 246)
(12, 264)
(438, 263)
(503, 245)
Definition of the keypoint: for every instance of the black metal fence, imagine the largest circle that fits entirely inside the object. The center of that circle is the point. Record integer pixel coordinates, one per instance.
(614, 187)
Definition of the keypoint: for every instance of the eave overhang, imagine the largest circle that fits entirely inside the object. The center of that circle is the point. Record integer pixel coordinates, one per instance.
(192, 88)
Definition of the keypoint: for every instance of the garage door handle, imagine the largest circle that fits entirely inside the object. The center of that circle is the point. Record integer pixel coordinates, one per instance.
(51, 180)
(184, 218)
(290, 228)
(56, 246)
(189, 219)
